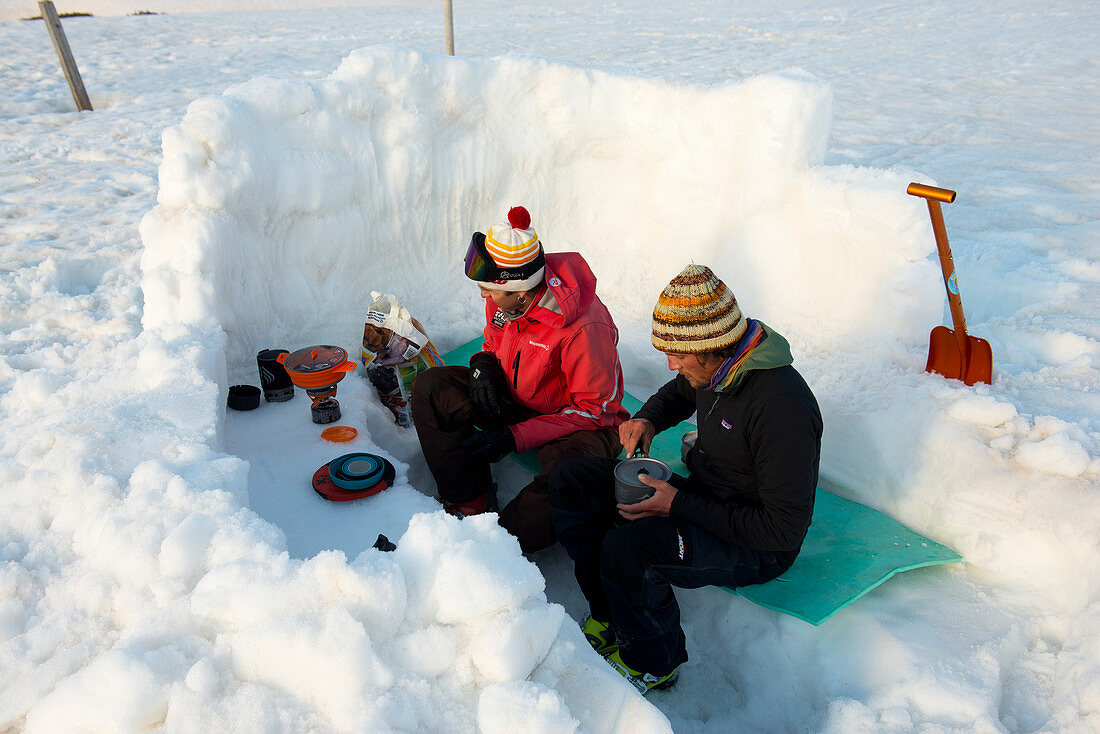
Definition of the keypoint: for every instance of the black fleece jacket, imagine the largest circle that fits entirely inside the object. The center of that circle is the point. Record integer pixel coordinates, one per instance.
(754, 465)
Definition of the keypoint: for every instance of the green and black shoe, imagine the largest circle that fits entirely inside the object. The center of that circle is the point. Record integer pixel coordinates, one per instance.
(644, 682)
(599, 635)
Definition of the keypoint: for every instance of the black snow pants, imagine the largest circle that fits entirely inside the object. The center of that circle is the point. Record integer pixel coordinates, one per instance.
(626, 569)
(444, 416)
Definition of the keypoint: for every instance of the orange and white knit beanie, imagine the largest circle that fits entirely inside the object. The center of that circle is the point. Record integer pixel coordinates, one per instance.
(696, 313)
(515, 248)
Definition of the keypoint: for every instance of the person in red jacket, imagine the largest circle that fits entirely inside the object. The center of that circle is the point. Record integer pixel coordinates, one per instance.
(547, 378)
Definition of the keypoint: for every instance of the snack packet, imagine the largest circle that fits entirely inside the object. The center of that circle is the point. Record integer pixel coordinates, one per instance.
(396, 349)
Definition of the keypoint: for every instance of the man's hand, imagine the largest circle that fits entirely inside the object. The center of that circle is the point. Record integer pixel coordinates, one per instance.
(656, 506)
(491, 445)
(636, 433)
(484, 385)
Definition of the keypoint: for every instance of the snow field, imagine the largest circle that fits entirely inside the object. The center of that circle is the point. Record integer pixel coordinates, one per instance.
(125, 486)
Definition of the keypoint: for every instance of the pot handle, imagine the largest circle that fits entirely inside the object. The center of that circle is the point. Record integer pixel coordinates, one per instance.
(345, 367)
(281, 358)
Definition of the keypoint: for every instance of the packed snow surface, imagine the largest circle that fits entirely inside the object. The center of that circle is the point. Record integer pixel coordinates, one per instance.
(248, 178)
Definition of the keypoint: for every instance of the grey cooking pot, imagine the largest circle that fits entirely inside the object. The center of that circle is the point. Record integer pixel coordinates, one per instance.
(628, 488)
(686, 444)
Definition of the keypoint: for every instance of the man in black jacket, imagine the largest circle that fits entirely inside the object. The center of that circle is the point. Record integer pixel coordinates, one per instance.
(740, 516)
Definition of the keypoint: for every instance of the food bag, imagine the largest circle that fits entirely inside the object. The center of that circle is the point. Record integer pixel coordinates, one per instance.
(396, 349)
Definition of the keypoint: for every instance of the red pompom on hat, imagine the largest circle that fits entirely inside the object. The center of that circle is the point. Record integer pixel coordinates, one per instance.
(519, 217)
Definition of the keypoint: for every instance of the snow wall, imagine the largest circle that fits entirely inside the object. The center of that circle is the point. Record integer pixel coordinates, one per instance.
(282, 204)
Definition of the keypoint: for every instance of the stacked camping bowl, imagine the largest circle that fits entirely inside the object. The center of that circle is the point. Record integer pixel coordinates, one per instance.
(353, 476)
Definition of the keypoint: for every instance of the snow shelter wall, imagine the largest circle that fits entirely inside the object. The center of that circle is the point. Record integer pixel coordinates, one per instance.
(283, 203)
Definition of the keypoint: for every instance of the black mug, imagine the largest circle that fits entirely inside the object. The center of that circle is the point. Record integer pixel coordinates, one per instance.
(273, 377)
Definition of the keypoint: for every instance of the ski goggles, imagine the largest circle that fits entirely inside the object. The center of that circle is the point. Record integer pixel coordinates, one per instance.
(479, 265)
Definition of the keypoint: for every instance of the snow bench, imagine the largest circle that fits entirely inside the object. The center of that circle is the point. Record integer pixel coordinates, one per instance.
(849, 550)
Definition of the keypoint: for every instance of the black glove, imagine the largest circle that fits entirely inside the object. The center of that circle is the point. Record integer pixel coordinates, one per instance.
(384, 544)
(485, 387)
(492, 444)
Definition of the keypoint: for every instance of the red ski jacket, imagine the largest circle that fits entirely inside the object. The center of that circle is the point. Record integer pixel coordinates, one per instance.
(560, 358)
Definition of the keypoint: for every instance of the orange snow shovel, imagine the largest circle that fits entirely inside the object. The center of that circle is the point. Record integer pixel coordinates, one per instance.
(953, 354)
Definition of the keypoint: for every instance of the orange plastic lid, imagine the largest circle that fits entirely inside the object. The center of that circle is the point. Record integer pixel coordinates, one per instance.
(339, 434)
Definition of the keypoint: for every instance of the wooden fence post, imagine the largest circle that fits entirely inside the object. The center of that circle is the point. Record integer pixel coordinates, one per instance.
(449, 27)
(65, 54)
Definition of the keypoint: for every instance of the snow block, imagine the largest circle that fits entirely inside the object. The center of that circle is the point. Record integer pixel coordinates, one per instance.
(283, 203)
(849, 550)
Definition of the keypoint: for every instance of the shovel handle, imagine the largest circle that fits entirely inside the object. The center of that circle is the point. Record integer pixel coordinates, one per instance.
(931, 192)
(933, 196)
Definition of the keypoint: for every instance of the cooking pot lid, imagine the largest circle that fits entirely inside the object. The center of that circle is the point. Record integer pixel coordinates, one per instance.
(628, 470)
(316, 359)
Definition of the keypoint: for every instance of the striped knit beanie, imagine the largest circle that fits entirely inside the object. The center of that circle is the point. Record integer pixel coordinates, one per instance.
(696, 313)
(515, 248)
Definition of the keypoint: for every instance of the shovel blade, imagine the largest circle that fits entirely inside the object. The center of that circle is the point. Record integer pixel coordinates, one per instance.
(945, 358)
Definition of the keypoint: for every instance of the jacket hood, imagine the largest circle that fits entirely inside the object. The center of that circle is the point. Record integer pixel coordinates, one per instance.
(773, 351)
(570, 288)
